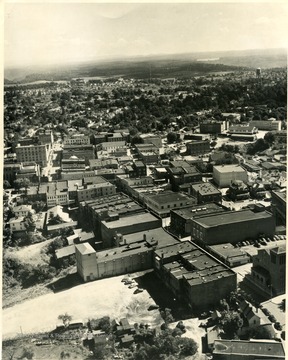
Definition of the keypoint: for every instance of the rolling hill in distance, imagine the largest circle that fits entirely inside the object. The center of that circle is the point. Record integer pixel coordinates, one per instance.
(156, 66)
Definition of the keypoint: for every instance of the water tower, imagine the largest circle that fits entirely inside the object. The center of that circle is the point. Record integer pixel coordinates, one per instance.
(258, 75)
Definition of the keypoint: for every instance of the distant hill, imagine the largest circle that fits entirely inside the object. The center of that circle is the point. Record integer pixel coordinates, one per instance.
(161, 66)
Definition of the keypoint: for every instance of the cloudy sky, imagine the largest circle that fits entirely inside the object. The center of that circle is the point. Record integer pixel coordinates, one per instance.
(51, 33)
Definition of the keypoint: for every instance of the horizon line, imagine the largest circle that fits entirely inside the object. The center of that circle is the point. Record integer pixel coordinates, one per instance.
(134, 57)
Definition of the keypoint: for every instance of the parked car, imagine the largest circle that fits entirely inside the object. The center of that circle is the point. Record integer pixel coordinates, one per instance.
(137, 291)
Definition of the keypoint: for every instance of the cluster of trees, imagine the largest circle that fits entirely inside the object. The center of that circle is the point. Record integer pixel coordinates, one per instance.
(23, 274)
(256, 147)
(166, 345)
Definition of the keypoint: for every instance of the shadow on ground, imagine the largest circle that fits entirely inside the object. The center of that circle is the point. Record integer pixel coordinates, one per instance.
(163, 297)
(65, 283)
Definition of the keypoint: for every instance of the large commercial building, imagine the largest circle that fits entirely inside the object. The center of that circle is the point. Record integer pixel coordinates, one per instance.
(193, 275)
(181, 219)
(223, 175)
(162, 203)
(37, 153)
(232, 226)
(77, 139)
(266, 124)
(133, 254)
(85, 152)
(112, 230)
(98, 186)
(213, 127)
(198, 147)
(92, 212)
(242, 129)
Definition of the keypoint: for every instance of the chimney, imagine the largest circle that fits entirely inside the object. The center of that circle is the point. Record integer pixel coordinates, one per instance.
(144, 237)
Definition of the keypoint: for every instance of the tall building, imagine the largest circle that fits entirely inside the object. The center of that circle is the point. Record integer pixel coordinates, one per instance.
(33, 153)
(268, 271)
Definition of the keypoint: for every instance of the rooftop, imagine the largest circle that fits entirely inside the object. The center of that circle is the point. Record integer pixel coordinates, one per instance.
(130, 220)
(205, 188)
(157, 234)
(168, 197)
(85, 249)
(228, 168)
(230, 217)
(256, 348)
(172, 250)
(191, 211)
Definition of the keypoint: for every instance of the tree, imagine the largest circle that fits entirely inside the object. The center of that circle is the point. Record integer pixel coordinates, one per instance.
(65, 318)
(188, 347)
(38, 206)
(172, 137)
(167, 315)
(104, 324)
(6, 184)
(231, 322)
(258, 146)
(269, 137)
(22, 183)
(29, 222)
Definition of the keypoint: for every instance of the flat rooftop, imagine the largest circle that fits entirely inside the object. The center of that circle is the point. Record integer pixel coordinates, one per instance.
(85, 248)
(157, 234)
(130, 220)
(191, 211)
(229, 217)
(122, 251)
(256, 348)
(228, 250)
(172, 250)
(228, 168)
(168, 197)
(205, 188)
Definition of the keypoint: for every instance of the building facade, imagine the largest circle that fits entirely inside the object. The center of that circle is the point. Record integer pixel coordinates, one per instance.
(33, 153)
(198, 147)
(232, 226)
(269, 270)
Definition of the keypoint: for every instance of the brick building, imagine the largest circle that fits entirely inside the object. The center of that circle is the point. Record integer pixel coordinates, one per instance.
(193, 275)
(232, 226)
(198, 147)
(206, 192)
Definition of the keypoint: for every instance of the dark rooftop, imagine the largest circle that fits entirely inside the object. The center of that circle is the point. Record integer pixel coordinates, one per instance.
(191, 211)
(168, 197)
(230, 217)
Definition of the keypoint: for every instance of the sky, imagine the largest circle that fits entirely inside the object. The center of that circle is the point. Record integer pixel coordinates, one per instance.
(57, 33)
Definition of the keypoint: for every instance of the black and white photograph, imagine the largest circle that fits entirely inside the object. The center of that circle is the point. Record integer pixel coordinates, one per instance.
(144, 180)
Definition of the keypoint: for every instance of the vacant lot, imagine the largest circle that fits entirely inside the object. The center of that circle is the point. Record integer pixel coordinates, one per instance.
(92, 300)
